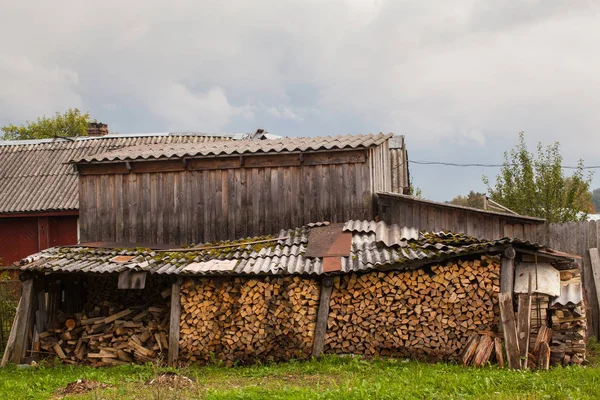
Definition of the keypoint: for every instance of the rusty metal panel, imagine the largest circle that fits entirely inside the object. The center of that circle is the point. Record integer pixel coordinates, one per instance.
(329, 241)
(332, 264)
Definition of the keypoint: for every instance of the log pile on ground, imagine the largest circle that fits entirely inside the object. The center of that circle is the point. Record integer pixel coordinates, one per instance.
(426, 313)
(246, 320)
(110, 333)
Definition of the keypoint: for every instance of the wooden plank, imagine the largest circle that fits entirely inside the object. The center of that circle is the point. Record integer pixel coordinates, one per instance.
(483, 351)
(322, 316)
(499, 352)
(272, 160)
(524, 325)
(141, 167)
(595, 264)
(10, 344)
(200, 164)
(23, 322)
(507, 271)
(469, 350)
(102, 169)
(509, 231)
(339, 157)
(174, 321)
(509, 328)
(544, 357)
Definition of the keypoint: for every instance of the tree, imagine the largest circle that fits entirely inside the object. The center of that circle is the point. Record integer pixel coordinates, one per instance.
(71, 123)
(473, 199)
(596, 199)
(537, 186)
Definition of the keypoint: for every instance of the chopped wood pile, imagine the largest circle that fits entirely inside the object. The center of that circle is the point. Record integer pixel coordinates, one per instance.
(421, 313)
(568, 327)
(246, 320)
(110, 332)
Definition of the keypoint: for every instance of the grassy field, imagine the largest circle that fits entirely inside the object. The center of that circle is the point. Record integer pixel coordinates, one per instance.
(328, 378)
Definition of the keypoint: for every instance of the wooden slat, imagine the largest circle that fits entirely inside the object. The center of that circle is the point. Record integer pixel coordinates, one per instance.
(350, 157)
(200, 164)
(595, 264)
(509, 329)
(23, 321)
(174, 321)
(272, 160)
(322, 316)
(524, 325)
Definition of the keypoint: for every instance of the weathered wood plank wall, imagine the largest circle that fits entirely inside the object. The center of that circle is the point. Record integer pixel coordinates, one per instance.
(204, 205)
(431, 216)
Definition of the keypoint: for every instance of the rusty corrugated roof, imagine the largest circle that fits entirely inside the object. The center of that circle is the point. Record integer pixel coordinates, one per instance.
(35, 175)
(283, 256)
(288, 144)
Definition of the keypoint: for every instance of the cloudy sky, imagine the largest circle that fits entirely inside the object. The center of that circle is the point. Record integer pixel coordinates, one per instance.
(459, 79)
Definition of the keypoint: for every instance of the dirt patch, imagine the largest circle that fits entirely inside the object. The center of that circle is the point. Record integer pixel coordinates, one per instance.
(171, 380)
(81, 386)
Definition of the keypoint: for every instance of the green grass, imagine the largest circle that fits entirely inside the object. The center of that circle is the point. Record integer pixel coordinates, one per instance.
(328, 378)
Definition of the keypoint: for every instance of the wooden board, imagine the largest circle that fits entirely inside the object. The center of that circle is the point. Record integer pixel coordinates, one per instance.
(322, 316)
(174, 324)
(507, 316)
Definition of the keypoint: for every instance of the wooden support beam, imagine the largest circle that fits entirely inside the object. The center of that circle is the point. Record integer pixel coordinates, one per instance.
(509, 327)
(507, 270)
(174, 323)
(23, 321)
(595, 263)
(322, 316)
(524, 321)
(524, 326)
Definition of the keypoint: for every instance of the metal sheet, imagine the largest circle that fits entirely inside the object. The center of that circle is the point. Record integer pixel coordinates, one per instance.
(570, 293)
(329, 240)
(546, 278)
(122, 259)
(212, 265)
(332, 264)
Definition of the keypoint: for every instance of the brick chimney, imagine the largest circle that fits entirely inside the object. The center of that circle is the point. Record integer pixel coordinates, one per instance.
(97, 129)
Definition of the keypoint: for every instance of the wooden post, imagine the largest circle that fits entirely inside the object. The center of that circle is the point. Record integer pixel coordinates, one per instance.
(507, 315)
(174, 323)
(524, 320)
(595, 261)
(322, 316)
(507, 270)
(23, 321)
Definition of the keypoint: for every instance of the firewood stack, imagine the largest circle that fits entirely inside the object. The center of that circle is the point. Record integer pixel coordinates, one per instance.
(420, 313)
(111, 332)
(568, 326)
(245, 320)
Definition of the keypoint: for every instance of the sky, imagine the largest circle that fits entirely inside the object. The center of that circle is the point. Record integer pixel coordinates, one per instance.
(460, 79)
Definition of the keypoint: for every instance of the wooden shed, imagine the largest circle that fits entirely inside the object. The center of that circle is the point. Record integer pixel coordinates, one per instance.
(361, 287)
(192, 193)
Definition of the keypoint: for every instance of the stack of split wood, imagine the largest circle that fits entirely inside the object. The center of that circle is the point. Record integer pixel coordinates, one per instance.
(247, 320)
(423, 313)
(125, 336)
(115, 327)
(569, 326)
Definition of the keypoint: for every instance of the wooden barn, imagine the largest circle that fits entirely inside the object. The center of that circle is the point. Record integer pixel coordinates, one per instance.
(359, 287)
(192, 193)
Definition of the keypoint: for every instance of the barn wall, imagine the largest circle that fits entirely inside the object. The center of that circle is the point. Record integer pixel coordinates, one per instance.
(430, 216)
(23, 236)
(185, 207)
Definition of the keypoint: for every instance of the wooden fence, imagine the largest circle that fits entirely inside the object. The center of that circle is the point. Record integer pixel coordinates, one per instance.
(574, 238)
(10, 292)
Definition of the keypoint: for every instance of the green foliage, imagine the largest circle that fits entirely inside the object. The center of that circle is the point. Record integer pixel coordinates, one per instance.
(537, 186)
(596, 199)
(473, 199)
(415, 190)
(327, 378)
(71, 123)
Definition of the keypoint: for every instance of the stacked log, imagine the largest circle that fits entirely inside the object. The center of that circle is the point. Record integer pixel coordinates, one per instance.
(568, 327)
(115, 327)
(245, 320)
(426, 313)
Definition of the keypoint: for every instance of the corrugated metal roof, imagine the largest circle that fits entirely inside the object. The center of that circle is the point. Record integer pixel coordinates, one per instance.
(173, 150)
(282, 256)
(35, 176)
(569, 293)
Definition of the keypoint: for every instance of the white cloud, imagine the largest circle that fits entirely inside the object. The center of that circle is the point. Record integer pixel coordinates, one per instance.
(29, 90)
(183, 110)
